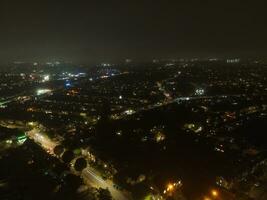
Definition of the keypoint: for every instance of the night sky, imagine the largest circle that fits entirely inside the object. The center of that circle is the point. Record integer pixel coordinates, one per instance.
(110, 30)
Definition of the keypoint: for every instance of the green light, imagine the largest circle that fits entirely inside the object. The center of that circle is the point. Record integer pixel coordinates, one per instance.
(22, 141)
(22, 137)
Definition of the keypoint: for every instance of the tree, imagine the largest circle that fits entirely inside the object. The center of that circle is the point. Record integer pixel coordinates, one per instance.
(68, 191)
(80, 164)
(58, 150)
(104, 194)
(67, 156)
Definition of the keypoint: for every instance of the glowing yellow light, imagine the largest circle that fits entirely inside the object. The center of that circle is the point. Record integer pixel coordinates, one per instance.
(170, 187)
(207, 198)
(214, 193)
(31, 123)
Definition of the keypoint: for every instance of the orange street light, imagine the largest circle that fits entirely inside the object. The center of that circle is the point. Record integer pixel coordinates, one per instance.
(214, 193)
(170, 187)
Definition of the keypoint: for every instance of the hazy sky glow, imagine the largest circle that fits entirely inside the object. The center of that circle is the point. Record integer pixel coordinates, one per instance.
(112, 30)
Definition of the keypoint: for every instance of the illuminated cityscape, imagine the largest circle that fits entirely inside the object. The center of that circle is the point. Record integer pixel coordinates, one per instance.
(181, 130)
(133, 101)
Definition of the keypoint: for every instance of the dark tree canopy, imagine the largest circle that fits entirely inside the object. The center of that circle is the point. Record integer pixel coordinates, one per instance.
(67, 156)
(80, 164)
(104, 194)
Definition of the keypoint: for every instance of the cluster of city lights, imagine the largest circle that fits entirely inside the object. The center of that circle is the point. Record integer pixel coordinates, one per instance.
(46, 78)
(199, 92)
(172, 186)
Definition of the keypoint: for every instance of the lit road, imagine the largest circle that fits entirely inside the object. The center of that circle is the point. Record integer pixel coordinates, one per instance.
(95, 180)
(89, 175)
(8, 100)
(178, 100)
(42, 140)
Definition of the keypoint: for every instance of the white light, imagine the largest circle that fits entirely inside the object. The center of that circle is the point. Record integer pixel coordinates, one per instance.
(129, 112)
(46, 78)
(200, 92)
(119, 133)
(42, 91)
(9, 141)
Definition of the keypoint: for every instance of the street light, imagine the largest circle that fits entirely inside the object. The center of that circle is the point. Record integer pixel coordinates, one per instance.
(214, 193)
(170, 187)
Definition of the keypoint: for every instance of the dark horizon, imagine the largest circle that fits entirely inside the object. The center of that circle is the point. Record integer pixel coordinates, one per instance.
(94, 31)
